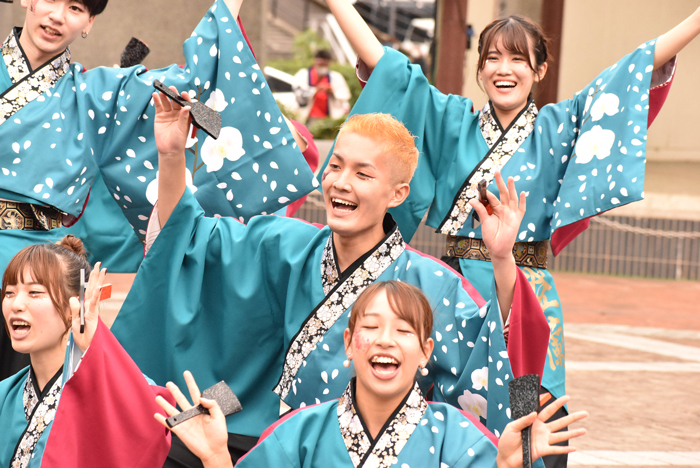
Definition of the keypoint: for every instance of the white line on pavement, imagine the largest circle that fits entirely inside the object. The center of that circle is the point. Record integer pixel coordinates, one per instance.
(615, 366)
(594, 328)
(619, 458)
(664, 348)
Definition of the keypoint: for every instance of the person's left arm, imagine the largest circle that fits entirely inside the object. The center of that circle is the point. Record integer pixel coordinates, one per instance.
(248, 170)
(107, 400)
(669, 44)
(499, 231)
(234, 6)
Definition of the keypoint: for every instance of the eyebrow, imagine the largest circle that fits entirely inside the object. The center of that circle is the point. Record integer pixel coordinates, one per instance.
(359, 164)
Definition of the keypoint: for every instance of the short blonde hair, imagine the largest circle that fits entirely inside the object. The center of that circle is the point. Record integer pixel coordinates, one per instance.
(395, 138)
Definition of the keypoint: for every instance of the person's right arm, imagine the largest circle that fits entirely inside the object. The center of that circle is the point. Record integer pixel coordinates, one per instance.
(170, 129)
(361, 37)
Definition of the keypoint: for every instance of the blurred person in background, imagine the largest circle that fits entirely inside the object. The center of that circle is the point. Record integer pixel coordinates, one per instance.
(321, 92)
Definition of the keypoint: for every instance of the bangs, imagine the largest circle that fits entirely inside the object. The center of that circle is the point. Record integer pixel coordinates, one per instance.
(94, 7)
(406, 301)
(45, 269)
(410, 304)
(394, 137)
(514, 39)
(518, 36)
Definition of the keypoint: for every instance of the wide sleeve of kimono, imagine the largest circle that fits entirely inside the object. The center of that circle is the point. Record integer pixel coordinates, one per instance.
(439, 122)
(253, 167)
(210, 297)
(471, 366)
(105, 415)
(598, 139)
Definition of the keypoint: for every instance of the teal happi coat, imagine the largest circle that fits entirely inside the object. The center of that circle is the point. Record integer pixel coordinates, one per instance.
(67, 134)
(574, 159)
(97, 410)
(418, 434)
(263, 306)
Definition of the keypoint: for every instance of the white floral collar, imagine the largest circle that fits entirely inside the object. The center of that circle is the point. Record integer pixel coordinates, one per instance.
(27, 84)
(39, 410)
(502, 146)
(383, 451)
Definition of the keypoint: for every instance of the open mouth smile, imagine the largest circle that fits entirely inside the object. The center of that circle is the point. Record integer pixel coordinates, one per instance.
(20, 327)
(343, 205)
(505, 84)
(384, 367)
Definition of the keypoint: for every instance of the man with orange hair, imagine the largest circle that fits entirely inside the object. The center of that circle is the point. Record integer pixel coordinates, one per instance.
(264, 306)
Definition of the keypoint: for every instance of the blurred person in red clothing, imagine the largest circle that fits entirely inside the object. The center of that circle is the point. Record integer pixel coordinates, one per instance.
(321, 92)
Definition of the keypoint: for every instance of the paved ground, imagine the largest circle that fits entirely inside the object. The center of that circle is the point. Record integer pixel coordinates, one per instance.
(633, 362)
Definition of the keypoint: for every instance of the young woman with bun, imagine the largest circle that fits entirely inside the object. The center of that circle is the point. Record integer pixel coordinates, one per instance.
(82, 400)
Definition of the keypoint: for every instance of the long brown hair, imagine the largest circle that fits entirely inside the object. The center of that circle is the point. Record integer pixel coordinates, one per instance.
(54, 266)
(514, 30)
(406, 301)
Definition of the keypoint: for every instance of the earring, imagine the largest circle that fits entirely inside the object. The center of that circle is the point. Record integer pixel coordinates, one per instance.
(84, 35)
(423, 371)
(346, 363)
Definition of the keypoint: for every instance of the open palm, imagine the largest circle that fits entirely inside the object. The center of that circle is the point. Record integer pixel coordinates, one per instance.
(500, 229)
(544, 435)
(172, 123)
(205, 435)
(92, 316)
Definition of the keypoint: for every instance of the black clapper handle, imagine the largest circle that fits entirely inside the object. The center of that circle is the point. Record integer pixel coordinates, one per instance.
(83, 287)
(221, 393)
(203, 117)
(524, 395)
(481, 188)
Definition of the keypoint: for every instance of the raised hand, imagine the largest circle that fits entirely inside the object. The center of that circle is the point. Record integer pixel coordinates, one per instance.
(171, 125)
(92, 316)
(206, 434)
(544, 435)
(500, 229)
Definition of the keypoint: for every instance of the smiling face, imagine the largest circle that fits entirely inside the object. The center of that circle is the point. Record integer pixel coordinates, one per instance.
(52, 25)
(386, 351)
(358, 187)
(507, 77)
(34, 324)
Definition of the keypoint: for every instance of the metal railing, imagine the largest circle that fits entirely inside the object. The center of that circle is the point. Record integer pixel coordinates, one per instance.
(612, 245)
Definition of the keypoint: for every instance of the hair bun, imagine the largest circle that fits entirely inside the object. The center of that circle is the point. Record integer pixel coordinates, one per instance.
(73, 244)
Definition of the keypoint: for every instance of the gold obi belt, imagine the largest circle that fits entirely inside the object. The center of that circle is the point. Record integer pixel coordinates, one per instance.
(527, 254)
(28, 217)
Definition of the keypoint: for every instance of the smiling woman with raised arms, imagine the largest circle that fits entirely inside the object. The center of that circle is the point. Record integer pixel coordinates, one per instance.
(382, 419)
(574, 159)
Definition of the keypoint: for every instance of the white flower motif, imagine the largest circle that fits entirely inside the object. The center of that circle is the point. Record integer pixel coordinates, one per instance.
(217, 100)
(606, 104)
(229, 146)
(152, 189)
(480, 379)
(473, 403)
(596, 142)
